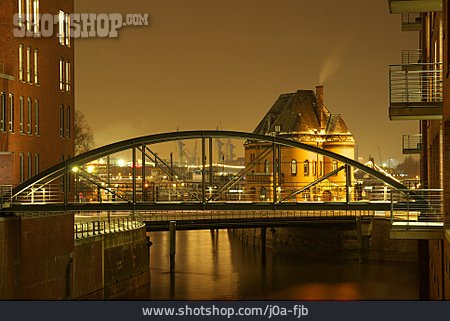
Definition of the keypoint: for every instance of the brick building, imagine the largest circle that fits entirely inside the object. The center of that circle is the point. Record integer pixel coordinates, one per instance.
(36, 89)
(303, 117)
(420, 91)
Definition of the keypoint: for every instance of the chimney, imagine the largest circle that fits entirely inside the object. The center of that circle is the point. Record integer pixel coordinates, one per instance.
(319, 106)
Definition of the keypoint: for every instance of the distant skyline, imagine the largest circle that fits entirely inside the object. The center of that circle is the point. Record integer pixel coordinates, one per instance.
(200, 63)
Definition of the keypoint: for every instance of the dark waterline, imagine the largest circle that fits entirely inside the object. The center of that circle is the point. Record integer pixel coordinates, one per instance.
(216, 266)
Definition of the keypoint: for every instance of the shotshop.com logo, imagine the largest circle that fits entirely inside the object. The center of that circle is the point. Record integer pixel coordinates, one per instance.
(75, 25)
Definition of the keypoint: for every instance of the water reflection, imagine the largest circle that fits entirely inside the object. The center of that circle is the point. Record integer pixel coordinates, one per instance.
(213, 265)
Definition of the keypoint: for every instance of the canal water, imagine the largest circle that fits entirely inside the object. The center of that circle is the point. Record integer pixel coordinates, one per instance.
(217, 266)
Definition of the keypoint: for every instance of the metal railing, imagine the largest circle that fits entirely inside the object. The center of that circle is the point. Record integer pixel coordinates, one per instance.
(415, 83)
(411, 21)
(412, 144)
(411, 56)
(5, 195)
(101, 227)
(2, 68)
(424, 205)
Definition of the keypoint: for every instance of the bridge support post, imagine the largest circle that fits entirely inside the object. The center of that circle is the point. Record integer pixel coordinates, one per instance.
(173, 239)
(210, 145)
(348, 183)
(203, 170)
(274, 172)
(134, 174)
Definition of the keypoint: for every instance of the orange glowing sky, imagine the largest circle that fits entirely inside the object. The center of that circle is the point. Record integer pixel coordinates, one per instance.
(201, 62)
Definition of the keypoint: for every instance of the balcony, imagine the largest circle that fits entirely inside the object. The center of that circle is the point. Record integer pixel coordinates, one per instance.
(412, 144)
(412, 6)
(415, 91)
(411, 22)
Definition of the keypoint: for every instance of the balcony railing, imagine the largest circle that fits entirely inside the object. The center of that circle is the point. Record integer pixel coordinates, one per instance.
(415, 91)
(411, 21)
(412, 144)
(411, 6)
(412, 56)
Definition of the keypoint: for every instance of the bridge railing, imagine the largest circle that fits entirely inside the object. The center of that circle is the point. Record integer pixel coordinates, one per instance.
(422, 207)
(100, 227)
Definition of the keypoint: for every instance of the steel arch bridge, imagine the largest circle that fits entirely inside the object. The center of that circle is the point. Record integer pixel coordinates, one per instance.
(61, 186)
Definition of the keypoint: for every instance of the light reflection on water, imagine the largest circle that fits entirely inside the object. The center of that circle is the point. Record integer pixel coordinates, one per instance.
(217, 266)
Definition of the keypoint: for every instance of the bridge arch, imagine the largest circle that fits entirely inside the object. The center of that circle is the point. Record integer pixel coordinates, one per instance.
(60, 169)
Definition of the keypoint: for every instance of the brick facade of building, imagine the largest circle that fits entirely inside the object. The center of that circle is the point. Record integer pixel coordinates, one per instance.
(37, 132)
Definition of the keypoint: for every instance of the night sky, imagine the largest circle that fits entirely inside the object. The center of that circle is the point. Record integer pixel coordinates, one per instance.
(201, 62)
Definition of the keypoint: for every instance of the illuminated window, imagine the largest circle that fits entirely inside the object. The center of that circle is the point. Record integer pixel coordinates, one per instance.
(263, 193)
(29, 116)
(3, 112)
(294, 167)
(62, 27)
(61, 74)
(68, 83)
(36, 72)
(36, 16)
(29, 14)
(21, 62)
(266, 166)
(61, 121)
(335, 165)
(67, 27)
(306, 168)
(36, 117)
(11, 112)
(20, 12)
(21, 114)
(29, 64)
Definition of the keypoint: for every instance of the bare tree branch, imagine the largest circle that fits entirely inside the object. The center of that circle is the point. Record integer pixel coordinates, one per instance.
(84, 136)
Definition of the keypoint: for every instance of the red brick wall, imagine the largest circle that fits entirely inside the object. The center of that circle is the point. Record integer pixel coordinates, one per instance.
(48, 144)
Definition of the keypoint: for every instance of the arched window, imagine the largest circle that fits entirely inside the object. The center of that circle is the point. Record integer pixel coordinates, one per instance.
(266, 166)
(335, 165)
(314, 168)
(306, 168)
(263, 194)
(293, 167)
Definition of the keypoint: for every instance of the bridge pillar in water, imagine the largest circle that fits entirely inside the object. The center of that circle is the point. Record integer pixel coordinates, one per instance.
(173, 239)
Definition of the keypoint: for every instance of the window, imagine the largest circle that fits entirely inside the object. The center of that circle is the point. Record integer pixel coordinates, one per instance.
(36, 164)
(306, 168)
(36, 71)
(320, 168)
(3, 112)
(263, 193)
(62, 18)
(68, 122)
(21, 62)
(29, 64)
(20, 12)
(68, 76)
(21, 114)
(266, 166)
(29, 129)
(21, 169)
(61, 74)
(252, 158)
(36, 15)
(36, 117)
(30, 166)
(61, 121)
(29, 14)
(293, 167)
(67, 31)
(11, 112)
(335, 165)
(314, 168)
